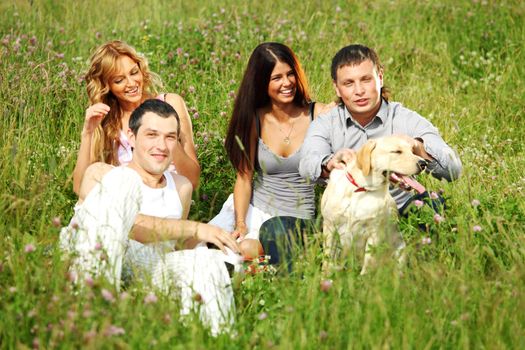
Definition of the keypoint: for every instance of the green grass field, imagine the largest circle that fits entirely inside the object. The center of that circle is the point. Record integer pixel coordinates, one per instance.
(458, 63)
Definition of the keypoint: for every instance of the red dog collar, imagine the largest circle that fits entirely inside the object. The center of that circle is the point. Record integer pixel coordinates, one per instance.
(352, 181)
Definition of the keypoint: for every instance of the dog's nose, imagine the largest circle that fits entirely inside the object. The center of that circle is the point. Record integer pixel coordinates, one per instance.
(422, 164)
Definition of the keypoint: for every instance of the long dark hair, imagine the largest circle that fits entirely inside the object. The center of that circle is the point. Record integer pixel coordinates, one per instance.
(253, 94)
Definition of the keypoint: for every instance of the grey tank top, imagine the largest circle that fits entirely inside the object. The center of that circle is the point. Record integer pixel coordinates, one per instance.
(279, 190)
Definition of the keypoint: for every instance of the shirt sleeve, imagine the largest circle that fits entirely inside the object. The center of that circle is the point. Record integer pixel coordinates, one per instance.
(446, 164)
(317, 146)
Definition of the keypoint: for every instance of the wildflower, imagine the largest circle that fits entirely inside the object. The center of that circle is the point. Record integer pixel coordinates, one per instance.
(89, 335)
(59, 55)
(74, 225)
(32, 313)
(418, 203)
(204, 197)
(475, 203)
(107, 295)
(56, 221)
(166, 319)
(426, 240)
(438, 218)
(222, 114)
(434, 195)
(326, 285)
(29, 248)
(476, 228)
(98, 35)
(231, 94)
(197, 297)
(124, 296)
(262, 316)
(191, 89)
(151, 298)
(179, 51)
(98, 246)
(89, 281)
(323, 335)
(196, 115)
(114, 330)
(36, 343)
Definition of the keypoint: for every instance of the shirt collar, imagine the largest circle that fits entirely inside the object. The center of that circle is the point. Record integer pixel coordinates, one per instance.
(381, 115)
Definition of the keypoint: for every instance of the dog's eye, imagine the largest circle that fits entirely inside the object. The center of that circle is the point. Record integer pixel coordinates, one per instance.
(397, 152)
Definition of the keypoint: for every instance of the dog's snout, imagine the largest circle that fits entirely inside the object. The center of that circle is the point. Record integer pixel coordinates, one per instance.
(422, 164)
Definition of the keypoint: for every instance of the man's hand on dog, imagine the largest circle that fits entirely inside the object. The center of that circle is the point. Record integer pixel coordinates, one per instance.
(339, 161)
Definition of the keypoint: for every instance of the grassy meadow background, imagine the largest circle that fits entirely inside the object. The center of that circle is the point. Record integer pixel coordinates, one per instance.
(458, 63)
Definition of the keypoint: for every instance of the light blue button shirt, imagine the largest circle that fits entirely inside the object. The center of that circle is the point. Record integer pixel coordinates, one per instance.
(336, 129)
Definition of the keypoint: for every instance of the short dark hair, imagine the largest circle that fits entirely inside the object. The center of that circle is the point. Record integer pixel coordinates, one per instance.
(160, 108)
(353, 55)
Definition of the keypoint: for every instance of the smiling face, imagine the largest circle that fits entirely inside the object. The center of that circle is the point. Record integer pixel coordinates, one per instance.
(154, 143)
(126, 83)
(282, 85)
(359, 86)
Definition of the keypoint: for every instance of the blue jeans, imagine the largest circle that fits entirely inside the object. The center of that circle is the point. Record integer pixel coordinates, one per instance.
(282, 236)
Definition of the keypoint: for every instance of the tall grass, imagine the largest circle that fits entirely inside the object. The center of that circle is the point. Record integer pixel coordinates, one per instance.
(459, 63)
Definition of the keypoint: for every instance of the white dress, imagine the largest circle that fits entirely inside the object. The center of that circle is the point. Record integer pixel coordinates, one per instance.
(98, 237)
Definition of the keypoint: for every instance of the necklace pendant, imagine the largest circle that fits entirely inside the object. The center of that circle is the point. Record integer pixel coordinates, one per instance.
(286, 140)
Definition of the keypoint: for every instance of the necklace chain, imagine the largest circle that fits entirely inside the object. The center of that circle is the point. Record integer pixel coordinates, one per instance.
(286, 138)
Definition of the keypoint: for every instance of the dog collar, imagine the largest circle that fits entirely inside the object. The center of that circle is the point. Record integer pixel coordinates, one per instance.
(352, 181)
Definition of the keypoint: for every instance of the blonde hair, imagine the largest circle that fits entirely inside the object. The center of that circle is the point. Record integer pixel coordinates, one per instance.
(103, 66)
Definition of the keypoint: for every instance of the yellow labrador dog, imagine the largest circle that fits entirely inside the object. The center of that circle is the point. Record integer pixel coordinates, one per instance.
(358, 211)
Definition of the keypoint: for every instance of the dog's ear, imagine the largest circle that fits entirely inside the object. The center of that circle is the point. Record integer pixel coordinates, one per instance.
(364, 157)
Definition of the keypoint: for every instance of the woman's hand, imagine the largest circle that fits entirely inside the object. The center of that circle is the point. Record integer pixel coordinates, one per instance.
(216, 236)
(94, 115)
(240, 230)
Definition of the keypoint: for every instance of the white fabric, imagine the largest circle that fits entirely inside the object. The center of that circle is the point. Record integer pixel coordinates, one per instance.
(124, 151)
(98, 238)
(254, 218)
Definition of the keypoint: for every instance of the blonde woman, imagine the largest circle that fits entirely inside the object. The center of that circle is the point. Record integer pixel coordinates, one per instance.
(118, 81)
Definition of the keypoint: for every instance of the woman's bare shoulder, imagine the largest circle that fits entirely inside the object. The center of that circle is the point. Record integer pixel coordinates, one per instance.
(182, 182)
(175, 100)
